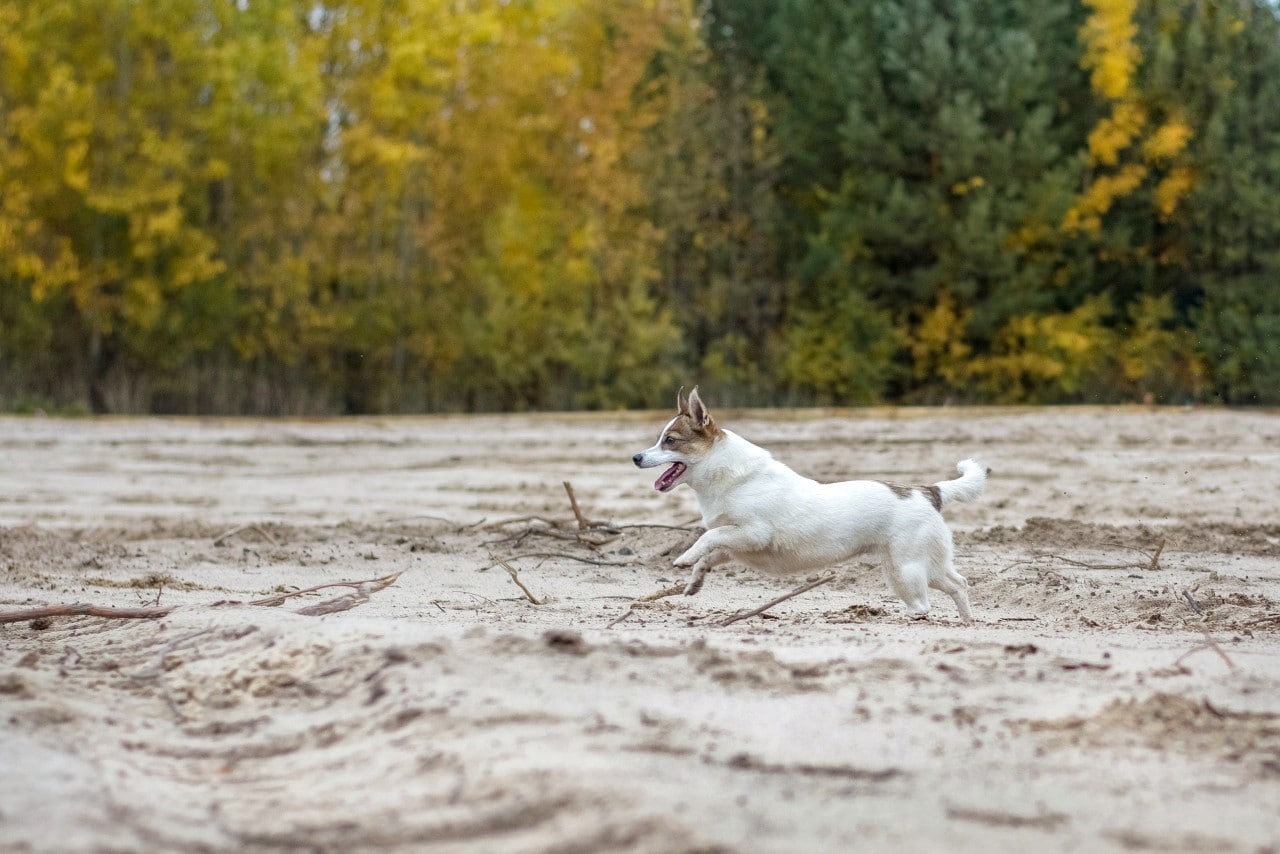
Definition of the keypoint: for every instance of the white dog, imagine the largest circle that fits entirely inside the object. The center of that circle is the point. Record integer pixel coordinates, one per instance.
(759, 512)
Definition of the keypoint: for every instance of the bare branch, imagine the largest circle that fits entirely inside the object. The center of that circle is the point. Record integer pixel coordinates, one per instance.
(515, 576)
(583, 524)
(84, 610)
(217, 541)
(362, 591)
(271, 601)
(673, 590)
(802, 589)
(566, 555)
(1155, 558)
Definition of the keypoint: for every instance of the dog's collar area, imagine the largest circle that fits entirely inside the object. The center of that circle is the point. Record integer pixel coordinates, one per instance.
(669, 477)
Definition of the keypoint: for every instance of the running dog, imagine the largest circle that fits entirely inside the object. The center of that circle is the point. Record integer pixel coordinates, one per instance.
(761, 513)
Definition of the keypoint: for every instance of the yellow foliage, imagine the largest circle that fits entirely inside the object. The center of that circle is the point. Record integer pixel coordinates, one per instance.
(1114, 133)
(1155, 358)
(1110, 53)
(1086, 213)
(962, 187)
(1172, 189)
(1025, 236)
(938, 347)
(1043, 356)
(1168, 140)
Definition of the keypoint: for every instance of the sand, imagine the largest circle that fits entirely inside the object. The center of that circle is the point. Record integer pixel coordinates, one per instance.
(1105, 698)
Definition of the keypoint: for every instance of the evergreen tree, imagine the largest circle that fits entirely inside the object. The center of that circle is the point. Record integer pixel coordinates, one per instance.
(1232, 264)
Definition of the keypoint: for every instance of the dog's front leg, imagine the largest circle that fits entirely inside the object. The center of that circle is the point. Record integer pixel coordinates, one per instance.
(713, 548)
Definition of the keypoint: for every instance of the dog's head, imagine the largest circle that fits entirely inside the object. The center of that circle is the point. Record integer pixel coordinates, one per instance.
(685, 440)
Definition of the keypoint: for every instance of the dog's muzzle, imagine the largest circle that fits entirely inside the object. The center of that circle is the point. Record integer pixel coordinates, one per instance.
(638, 459)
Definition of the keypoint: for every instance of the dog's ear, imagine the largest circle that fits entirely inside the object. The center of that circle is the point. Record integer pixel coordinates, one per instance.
(698, 410)
(682, 402)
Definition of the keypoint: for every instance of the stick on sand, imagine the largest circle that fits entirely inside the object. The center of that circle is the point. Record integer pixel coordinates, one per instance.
(362, 591)
(765, 607)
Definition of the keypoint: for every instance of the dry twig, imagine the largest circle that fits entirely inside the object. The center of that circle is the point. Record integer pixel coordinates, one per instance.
(84, 610)
(358, 596)
(515, 576)
(625, 615)
(1209, 643)
(374, 584)
(673, 590)
(1093, 565)
(801, 589)
(217, 541)
(1155, 558)
(362, 591)
(583, 524)
(592, 536)
(566, 555)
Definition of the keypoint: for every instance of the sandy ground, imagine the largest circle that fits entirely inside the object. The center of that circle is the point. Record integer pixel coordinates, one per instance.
(1102, 700)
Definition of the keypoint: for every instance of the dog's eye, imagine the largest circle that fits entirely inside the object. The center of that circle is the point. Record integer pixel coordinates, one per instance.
(670, 440)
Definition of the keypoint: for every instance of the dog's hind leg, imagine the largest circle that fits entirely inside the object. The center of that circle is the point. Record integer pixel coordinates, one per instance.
(954, 584)
(910, 580)
(942, 575)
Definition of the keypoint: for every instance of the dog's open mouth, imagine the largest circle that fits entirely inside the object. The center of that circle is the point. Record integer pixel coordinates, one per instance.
(669, 477)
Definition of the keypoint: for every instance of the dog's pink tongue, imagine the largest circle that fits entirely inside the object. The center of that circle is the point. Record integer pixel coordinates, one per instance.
(663, 483)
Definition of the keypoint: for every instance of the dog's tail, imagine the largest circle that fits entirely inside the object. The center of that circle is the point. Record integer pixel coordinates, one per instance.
(966, 487)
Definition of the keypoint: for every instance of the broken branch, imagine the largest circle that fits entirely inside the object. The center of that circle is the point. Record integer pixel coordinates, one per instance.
(566, 555)
(84, 610)
(1155, 558)
(217, 541)
(765, 607)
(673, 590)
(625, 614)
(362, 591)
(583, 524)
(515, 576)
(375, 584)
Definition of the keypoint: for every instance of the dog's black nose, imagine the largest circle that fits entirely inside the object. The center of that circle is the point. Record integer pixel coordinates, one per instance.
(637, 459)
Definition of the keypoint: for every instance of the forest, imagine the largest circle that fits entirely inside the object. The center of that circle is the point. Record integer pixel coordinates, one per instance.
(397, 206)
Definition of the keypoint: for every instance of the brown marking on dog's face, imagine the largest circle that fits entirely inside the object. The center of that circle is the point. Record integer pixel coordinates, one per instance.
(686, 436)
(693, 431)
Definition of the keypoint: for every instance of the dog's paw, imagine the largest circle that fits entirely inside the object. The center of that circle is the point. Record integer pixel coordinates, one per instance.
(695, 582)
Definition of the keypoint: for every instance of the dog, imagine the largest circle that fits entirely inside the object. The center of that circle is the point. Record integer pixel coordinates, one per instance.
(759, 512)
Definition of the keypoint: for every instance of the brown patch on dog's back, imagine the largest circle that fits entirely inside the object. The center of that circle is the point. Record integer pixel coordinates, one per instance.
(898, 489)
(932, 493)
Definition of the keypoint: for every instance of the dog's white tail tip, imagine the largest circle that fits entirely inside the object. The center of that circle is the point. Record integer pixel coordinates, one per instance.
(973, 477)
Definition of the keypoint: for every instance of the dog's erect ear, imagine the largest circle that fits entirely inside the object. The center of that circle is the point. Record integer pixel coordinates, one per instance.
(698, 410)
(682, 402)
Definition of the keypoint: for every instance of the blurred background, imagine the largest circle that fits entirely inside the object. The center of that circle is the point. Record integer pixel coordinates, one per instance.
(266, 207)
